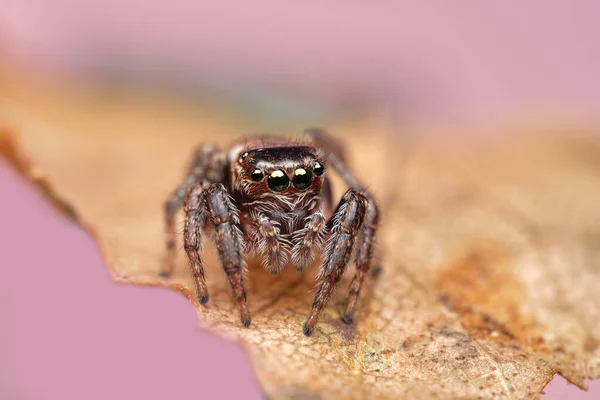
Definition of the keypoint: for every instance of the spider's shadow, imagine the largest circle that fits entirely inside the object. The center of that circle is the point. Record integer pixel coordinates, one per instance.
(299, 284)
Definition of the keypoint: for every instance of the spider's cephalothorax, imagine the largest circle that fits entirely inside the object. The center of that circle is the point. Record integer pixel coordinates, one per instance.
(277, 189)
(273, 197)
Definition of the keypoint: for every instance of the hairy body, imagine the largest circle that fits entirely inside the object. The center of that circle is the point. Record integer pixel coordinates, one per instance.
(273, 197)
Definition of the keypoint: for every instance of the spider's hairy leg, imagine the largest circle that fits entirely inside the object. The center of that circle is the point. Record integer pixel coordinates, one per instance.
(229, 241)
(323, 139)
(195, 216)
(363, 258)
(335, 157)
(207, 165)
(308, 240)
(364, 250)
(346, 223)
(268, 242)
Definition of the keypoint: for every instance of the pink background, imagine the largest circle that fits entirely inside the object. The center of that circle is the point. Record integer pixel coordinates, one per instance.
(427, 60)
(68, 332)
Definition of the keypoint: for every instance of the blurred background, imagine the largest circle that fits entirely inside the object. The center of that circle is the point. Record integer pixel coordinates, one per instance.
(434, 64)
(427, 62)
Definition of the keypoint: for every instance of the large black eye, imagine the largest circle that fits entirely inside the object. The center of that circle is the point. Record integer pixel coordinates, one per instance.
(278, 181)
(302, 178)
(257, 175)
(318, 168)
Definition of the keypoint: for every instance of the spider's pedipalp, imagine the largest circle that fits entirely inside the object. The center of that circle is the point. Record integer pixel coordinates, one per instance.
(269, 243)
(308, 241)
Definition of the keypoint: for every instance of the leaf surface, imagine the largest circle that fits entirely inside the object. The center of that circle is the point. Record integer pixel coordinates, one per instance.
(490, 248)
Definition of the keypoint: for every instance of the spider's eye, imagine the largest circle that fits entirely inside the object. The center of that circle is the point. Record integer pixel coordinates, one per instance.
(278, 181)
(244, 155)
(318, 168)
(302, 178)
(257, 175)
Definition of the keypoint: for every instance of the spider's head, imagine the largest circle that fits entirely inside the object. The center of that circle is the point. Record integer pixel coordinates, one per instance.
(286, 170)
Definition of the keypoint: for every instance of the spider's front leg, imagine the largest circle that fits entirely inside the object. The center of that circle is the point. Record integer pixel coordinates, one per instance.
(213, 202)
(195, 216)
(207, 165)
(363, 257)
(346, 223)
(229, 241)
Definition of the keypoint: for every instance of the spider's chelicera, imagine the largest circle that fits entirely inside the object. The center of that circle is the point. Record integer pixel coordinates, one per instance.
(274, 197)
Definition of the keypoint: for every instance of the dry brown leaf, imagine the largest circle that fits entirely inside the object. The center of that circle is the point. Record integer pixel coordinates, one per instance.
(491, 252)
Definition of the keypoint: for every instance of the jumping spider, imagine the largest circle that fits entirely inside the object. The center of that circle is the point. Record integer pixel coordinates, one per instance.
(274, 197)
